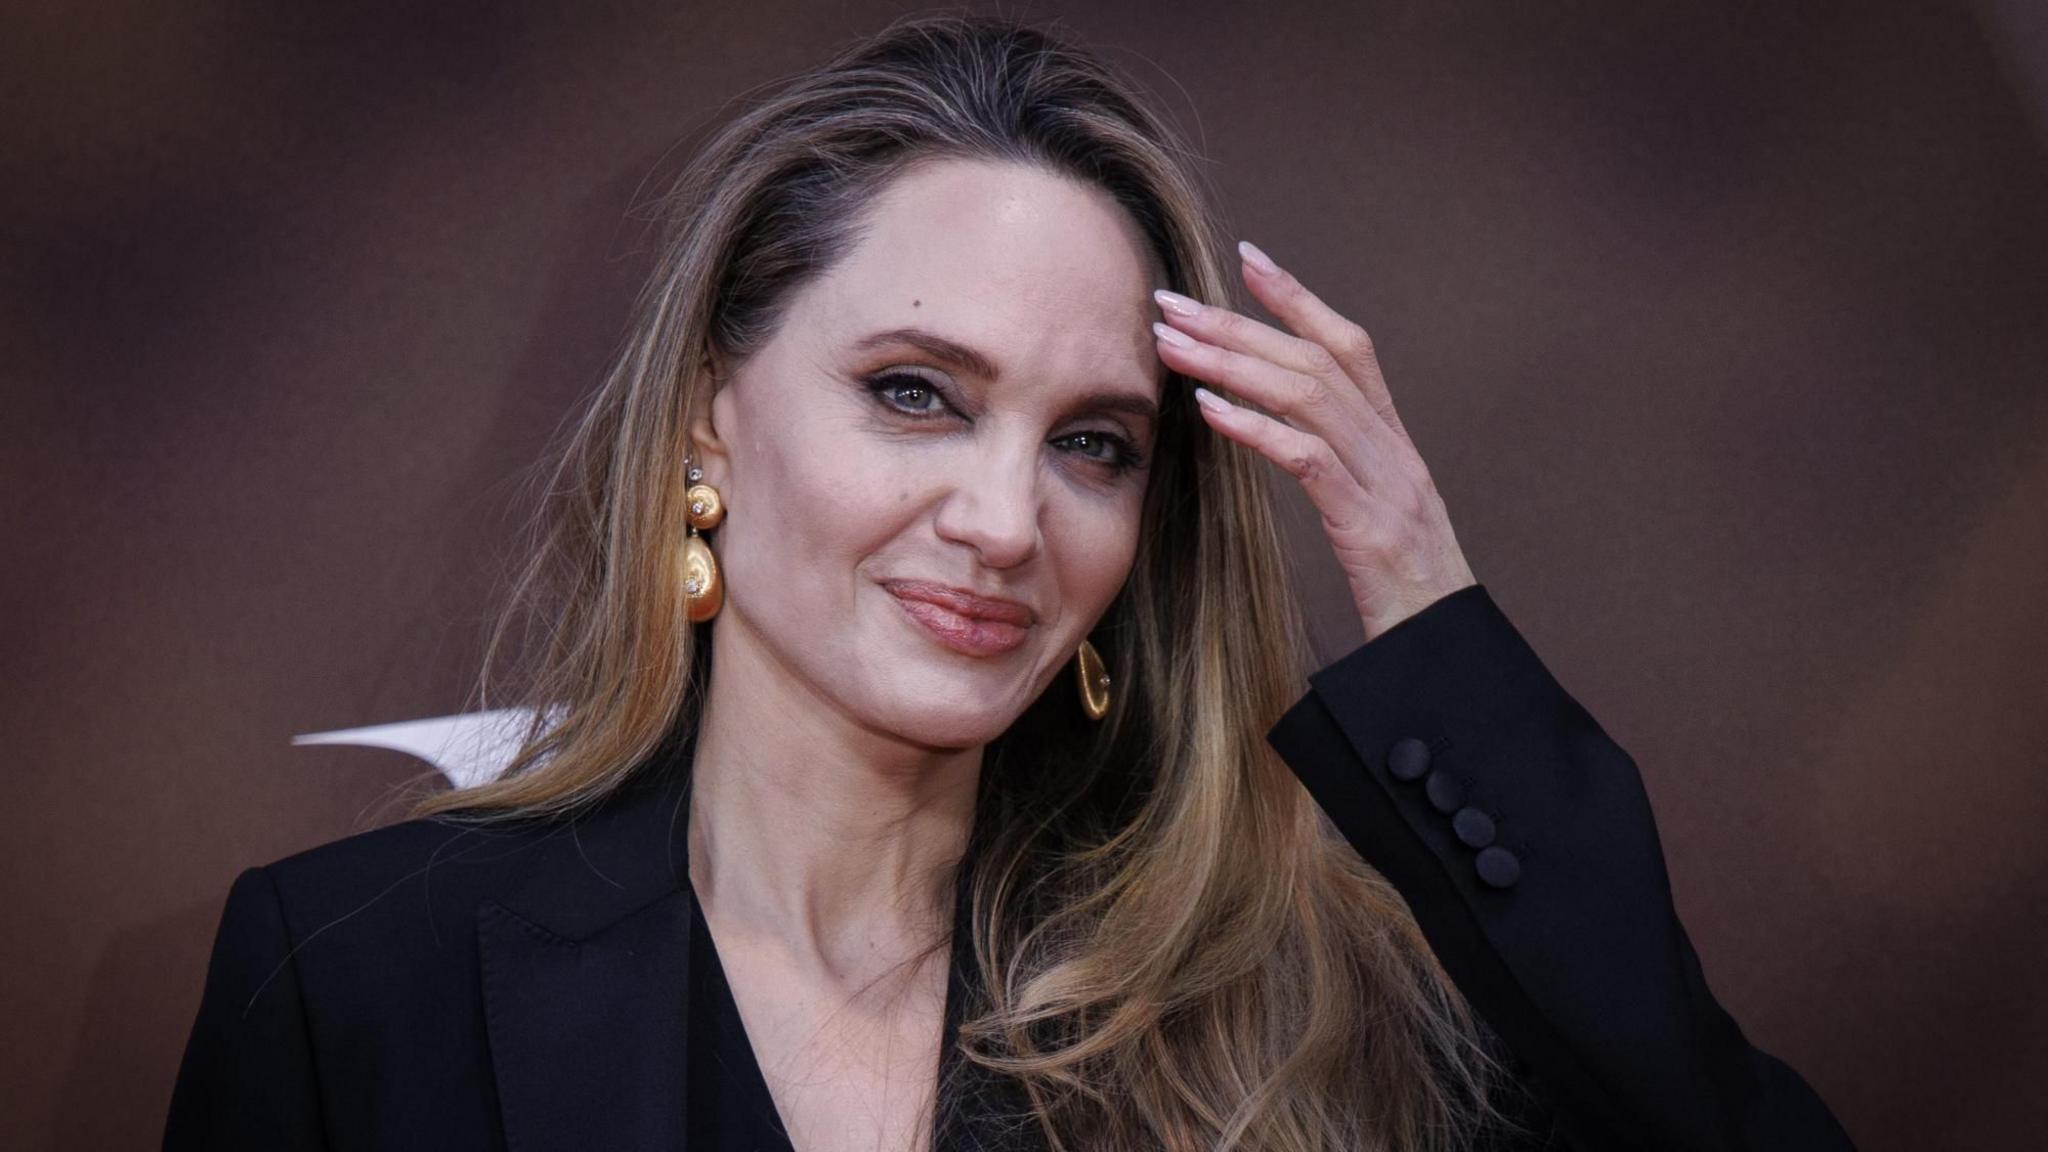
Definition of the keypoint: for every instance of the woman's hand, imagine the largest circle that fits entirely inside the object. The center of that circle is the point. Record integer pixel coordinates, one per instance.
(1335, 431)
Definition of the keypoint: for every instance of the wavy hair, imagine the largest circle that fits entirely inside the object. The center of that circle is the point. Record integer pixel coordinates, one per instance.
(1176, 951)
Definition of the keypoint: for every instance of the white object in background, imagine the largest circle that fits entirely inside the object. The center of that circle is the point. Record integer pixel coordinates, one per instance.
(469, 748)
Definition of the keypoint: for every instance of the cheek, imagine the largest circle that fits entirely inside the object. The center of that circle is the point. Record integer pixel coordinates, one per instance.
(1097, 551)
(808, 508)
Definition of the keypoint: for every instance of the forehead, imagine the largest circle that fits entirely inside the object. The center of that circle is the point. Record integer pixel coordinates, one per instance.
(1047, 275)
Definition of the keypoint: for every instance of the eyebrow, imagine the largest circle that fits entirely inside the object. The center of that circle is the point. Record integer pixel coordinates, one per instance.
(966, 359)
(932, 344)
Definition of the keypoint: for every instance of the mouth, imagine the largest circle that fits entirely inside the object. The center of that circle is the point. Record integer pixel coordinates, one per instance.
(959, 619)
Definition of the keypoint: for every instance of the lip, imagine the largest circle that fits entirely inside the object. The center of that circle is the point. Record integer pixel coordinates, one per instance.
(961, 620)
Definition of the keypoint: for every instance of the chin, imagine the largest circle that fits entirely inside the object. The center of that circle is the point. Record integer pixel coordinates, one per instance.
(941, 719)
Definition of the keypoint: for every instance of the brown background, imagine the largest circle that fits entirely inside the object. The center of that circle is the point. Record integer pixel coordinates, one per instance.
(1722, 330)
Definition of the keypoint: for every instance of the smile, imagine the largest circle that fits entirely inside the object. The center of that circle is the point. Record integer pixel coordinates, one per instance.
(968, 624)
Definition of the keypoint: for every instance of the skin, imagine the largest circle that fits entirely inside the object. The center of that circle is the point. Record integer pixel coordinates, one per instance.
(841, 740)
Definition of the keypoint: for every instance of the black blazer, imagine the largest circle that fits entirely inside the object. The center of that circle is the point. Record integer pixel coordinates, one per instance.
(427, 985)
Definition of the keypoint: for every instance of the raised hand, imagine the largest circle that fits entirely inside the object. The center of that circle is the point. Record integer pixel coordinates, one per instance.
(1333, 428)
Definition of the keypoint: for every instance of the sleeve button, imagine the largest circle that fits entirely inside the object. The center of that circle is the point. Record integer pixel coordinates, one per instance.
(1498, 867)
(1473, 827)
(1408, 759)
(1446, 795)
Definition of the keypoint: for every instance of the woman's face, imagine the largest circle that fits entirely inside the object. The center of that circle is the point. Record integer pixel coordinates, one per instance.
(964, 404)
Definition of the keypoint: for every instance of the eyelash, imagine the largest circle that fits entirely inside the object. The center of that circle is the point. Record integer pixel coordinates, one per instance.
(1123, 455)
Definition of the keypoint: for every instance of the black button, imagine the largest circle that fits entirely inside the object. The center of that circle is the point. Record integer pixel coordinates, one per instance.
(1446, 795)
(1474, 827)
(1408, 759)
(1498, 866)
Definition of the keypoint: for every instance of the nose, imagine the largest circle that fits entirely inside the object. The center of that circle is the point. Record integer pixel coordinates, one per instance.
(993, 508)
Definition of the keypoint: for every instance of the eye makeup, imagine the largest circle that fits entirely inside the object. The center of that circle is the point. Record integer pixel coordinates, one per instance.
(916, 397)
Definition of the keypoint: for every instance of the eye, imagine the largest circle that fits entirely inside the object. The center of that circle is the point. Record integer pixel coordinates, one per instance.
(909, 394)
(1103, 448)
(920, 398)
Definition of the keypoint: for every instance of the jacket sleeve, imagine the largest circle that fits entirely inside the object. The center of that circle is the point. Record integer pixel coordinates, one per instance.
(247, 1080)
(1523, 841)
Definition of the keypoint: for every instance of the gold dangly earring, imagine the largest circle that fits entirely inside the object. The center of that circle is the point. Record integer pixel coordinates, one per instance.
(1093, 679)
(701, 583)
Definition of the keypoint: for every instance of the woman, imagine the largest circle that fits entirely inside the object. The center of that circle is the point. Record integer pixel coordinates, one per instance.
(822, 849)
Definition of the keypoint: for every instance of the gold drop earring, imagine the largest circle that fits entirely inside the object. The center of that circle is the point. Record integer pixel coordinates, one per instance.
(1093, 679)
(702, 586)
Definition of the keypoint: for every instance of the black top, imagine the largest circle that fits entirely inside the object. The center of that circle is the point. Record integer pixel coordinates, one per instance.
(730, 1109)
(439, 984)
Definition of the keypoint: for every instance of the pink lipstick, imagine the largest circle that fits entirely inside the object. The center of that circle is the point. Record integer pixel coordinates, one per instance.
(962, 620)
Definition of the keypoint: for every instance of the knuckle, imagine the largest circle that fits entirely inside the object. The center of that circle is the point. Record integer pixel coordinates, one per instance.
(1411, 505)
(1360, 532)
(1305, 394)
(1356, 341)
(1348, 527)
(1417, 499)
(1323, 363)
(1309, 460)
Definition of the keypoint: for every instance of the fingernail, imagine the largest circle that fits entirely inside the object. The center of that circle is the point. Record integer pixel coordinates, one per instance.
(1176, 303)
(1256, 258)
(1172, 335)
(1210, 400)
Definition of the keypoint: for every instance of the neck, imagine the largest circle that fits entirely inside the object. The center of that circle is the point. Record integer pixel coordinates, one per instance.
(813, 833)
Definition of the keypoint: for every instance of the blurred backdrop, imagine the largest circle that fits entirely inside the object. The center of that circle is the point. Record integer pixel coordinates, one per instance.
(1723, 327)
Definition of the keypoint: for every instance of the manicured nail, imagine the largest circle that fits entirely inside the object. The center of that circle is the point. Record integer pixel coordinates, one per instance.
(1172, 335)
(1176, 303)
(1256, 258)
(1211, 401)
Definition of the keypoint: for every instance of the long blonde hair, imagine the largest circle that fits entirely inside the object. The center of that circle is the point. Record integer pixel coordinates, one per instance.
(1176, 951)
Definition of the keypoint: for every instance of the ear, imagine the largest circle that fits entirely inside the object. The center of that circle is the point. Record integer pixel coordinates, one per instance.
(708, 448)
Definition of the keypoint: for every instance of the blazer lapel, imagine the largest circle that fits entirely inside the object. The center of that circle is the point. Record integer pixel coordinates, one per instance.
(585, 971)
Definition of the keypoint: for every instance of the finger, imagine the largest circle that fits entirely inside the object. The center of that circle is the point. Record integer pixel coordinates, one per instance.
(1308, 458)
(1308, 405)
(1240, 333)
(1303, 311)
